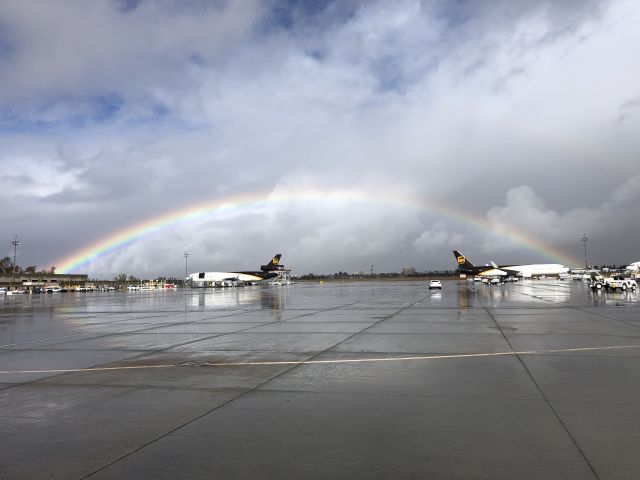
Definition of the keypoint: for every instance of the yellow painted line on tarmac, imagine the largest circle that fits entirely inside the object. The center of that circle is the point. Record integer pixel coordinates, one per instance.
(320, 362)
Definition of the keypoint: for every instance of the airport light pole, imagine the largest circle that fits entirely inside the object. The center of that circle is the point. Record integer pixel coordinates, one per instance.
(186, 269)
(15, 242)
(585, 239)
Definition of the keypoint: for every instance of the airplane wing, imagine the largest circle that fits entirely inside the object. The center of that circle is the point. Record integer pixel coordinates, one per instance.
(494, 272)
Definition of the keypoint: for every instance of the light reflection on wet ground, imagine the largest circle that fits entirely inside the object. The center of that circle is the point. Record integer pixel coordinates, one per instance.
(560, 403)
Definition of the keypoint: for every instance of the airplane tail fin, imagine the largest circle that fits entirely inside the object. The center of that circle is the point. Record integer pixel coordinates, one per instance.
(463, 263)
(274, 264)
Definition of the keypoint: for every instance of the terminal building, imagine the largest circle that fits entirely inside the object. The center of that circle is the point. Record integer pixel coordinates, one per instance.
(29, 281)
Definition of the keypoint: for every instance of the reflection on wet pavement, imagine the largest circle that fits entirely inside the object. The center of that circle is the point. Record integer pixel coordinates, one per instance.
(342, 380)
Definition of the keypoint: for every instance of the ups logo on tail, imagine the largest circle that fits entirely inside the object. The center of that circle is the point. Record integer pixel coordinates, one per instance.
(275, 261)
(461, 260)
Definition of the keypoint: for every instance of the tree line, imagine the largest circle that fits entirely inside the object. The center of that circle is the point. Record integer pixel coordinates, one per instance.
(123, 278)
(7, 268)
(346, 275)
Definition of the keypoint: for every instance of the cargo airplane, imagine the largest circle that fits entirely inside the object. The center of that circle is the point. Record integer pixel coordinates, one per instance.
(634, 267)
(493, 270)
(268, 271)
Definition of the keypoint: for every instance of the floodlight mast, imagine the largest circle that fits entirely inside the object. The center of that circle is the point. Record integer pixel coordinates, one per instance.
(585, 239)
(15, 242)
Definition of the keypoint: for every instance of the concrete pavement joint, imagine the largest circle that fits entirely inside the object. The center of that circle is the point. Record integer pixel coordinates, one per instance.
(546, 399)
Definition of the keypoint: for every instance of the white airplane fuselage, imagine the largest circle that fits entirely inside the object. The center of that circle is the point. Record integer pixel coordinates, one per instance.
(537, 269)
(526, 271)
(220, 276)
(634, 267)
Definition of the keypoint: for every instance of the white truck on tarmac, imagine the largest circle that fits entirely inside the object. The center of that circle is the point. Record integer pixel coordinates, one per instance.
(620, 283)
(598, 282)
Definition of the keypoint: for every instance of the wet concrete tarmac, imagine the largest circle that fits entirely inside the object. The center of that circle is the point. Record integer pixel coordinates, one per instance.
(377, 380)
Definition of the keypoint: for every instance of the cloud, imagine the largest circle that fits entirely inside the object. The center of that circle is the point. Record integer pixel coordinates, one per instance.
(610, 223)
(136, 109)
(57, 49)
(437, 237)
(17, 180)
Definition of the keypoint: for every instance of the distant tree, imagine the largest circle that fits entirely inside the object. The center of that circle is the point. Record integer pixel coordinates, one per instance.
(5, 265)
(30, 269)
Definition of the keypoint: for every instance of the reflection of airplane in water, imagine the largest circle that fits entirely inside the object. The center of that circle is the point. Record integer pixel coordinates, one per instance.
(493, 270)
(524, 294)
(271, 271)
(249, 299)
(466, 297)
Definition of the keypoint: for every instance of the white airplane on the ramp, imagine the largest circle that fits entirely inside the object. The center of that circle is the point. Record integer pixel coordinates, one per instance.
(493, 270)
(268, 271)
(634, 267)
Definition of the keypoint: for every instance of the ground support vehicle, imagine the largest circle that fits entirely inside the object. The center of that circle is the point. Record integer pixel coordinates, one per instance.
(620, 283)
(596, 282)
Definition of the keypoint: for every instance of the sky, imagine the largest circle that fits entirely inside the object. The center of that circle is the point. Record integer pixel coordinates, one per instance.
(345, 135)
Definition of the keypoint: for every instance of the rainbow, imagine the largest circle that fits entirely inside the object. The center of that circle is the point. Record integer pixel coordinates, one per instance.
(245, 202)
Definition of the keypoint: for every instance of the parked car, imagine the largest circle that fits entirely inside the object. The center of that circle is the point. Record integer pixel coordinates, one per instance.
(435, 284)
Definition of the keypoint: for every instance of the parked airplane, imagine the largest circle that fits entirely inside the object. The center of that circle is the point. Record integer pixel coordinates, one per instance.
(634, 267)
(493, 270)
(270, 270)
